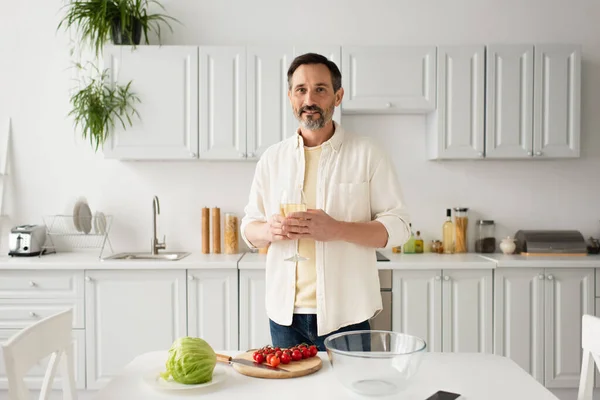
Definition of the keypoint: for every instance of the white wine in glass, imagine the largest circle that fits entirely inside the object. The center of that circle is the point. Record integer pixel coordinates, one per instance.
(291, 205)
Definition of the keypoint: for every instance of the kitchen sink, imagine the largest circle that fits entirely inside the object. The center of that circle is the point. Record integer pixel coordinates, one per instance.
(166, 256)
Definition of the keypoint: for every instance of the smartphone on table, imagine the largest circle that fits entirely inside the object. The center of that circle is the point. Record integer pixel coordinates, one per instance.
(443, 395)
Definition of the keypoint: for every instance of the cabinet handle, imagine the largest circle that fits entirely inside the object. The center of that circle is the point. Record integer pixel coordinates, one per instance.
(437, 278)
(388, 105)
(192, 154)
(242, 155)
(32, 283)
(481, 154)
(550, 277)
(541, 276)
(88, 279)
(190, 277)
(446, 278)
(32, 314)
(530, 153)
(538, 153)
(251, 155)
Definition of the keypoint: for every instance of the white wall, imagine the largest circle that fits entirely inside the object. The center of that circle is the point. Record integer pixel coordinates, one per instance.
(51, 165)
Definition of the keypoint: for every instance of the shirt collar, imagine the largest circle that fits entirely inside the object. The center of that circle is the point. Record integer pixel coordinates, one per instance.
(335, 141)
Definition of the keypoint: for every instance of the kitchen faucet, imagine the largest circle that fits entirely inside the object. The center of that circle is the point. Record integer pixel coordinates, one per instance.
(156, 245)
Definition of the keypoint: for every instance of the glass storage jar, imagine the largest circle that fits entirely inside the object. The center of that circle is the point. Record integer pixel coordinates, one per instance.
(486, 237)
(231, 234)
(461, 221)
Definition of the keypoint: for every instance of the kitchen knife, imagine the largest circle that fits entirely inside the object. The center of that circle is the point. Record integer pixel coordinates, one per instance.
(229, 360)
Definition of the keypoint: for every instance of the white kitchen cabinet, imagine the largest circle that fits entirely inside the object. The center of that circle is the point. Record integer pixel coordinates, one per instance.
(130, 312)
(212, 300)
(270, 117)
(417, 305)
(509, 101)
(537, 320)
(35, 376)
(557, 101)
(519, 317)
(254, 322)
(165, 78)
(455, 130)
(389, 79)
(450, 309)
(467, 311)
(569, 295)
(222, 93)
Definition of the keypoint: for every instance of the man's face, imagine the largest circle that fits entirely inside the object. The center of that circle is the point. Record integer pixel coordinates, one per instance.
(312, 97)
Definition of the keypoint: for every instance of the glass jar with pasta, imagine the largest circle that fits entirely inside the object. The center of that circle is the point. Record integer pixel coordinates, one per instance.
(231, 234)
(461, 221)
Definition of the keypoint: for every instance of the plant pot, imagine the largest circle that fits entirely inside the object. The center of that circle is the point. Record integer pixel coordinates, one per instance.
(124, 37)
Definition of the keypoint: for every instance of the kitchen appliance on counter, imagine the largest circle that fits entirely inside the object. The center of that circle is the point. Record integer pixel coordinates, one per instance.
(26, 240)
(550, 243)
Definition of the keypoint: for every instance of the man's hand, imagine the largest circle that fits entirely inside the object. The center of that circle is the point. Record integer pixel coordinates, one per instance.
(312, 224)
(275, 229)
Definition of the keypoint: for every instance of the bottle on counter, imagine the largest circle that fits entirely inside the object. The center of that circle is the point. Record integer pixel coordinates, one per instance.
(409, 246)
(448, 233)
(418, 243)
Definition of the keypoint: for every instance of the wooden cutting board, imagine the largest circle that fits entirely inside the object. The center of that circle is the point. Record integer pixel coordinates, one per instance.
(296, 368)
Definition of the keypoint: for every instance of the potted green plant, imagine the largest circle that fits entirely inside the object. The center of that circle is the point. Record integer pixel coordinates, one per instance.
(98, 106)
(122, 20)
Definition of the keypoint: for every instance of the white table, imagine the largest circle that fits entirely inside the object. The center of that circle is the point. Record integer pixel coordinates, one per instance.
(475, 376)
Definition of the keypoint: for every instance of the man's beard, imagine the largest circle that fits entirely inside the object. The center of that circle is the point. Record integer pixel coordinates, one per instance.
(311, 123)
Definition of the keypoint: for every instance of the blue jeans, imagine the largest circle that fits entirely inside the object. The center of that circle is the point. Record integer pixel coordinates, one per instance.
(304, 330)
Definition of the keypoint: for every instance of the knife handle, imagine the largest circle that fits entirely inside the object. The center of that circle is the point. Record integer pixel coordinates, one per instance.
(223, 358)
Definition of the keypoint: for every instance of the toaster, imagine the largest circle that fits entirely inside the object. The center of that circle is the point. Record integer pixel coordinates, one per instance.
(26, 240)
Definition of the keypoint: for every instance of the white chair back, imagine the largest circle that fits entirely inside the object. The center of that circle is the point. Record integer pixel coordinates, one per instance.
(50, 336)
(590, 342)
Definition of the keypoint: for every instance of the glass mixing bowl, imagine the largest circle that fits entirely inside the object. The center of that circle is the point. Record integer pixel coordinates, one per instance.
(374, 363)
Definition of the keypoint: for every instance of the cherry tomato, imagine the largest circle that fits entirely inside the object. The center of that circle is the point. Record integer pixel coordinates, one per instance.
(274, 361)
(259, 358)
(278, 353)
(296, 355)
(277, 349)
(313, 350)
(269, 358)
(286, 358)
(305, 353)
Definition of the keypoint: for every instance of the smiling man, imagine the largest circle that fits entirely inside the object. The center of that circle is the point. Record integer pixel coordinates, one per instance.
(354, 206)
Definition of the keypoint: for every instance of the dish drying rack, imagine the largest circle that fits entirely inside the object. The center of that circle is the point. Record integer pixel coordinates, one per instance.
(62, 233)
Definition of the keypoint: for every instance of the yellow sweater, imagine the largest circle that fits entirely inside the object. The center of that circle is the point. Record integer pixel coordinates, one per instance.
(306, 276)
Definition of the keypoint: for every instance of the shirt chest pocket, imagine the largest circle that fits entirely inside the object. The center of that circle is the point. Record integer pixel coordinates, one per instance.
(350, 202)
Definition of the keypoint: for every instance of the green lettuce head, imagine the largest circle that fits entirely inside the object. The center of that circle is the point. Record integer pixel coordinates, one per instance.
(191, 361)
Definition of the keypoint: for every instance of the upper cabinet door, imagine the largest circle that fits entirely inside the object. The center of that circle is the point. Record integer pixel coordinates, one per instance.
(165, 78)
(222, 124)
(269, 114)
(333, 53)
(557, 101)
(456, 128)
(389, 79)
(509, 106)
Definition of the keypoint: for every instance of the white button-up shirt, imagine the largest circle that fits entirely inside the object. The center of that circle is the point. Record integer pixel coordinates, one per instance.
(356, 183)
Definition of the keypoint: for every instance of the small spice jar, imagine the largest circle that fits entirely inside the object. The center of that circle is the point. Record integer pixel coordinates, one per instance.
(486, 237)
(231, 234)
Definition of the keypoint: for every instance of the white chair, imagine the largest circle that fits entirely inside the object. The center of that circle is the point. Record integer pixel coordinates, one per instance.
(49, 336)
(590, 342)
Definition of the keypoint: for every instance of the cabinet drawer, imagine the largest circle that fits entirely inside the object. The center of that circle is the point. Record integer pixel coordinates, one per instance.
(35, 377)
(41, 284)
(19, 313)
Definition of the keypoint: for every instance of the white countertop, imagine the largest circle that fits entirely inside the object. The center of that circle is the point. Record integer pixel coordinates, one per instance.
(90, 260)
(425, 261)
(400, 261)
(589, 261)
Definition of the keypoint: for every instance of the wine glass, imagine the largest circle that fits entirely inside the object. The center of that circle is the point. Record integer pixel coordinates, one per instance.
(293, 201)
